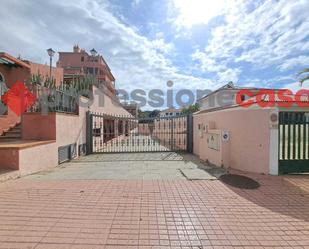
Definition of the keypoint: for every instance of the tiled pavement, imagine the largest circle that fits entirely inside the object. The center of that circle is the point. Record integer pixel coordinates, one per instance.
(154, 214)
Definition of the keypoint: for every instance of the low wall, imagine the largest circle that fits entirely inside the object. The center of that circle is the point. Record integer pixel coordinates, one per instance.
(66, 129)
(29, 158)
(38, 158)
(9, 159)
(249, 138)
(36, 126)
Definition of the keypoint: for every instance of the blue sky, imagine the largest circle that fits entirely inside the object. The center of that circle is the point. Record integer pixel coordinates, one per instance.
(199, 44)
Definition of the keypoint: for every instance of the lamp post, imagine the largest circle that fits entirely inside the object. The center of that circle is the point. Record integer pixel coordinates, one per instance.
(94, 54)
(51, 53)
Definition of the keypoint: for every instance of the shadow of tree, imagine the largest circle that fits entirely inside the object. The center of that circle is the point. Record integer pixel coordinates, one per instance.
(286, 195)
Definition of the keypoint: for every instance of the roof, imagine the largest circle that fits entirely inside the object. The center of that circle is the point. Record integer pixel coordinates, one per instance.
(171, 109)
(11, 61)
(264, 98)
(231, 87)
(129, 106)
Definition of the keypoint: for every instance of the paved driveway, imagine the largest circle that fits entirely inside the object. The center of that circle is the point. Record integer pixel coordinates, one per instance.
(133, 166)
(48, 210)
(134, 143)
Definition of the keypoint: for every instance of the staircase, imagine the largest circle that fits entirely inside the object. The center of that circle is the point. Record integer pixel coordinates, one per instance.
(13, 133)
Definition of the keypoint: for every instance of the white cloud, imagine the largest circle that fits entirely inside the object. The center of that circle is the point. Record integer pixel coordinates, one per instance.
(136, 61)
(300, 61)
(207, 64)
(161, 46)
(229, 75)
(296, 86)
(135, 3)
(270, 35)
(194, 12)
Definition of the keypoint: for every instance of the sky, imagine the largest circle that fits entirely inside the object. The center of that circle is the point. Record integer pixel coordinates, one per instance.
(198, 44)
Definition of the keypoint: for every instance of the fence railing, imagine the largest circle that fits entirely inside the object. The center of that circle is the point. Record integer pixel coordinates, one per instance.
(53, 100)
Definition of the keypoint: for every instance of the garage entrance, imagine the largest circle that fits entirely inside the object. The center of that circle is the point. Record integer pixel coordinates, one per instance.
(117, 134)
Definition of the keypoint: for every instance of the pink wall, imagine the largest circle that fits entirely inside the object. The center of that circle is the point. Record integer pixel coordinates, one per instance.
(68, 128)
(64, 129)
(36, 126)
(38, 158)
(9, 159)
(29, 160)
(248, 147)
(12, 74)
(23, 74)
(43, 70)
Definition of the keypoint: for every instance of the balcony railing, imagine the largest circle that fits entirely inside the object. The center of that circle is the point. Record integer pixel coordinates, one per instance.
(53, 100)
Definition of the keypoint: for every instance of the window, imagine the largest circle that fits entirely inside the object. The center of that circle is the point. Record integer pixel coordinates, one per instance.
(166, 114)
(82, 58)
(243, 97)
(91, 70)
(1, 78)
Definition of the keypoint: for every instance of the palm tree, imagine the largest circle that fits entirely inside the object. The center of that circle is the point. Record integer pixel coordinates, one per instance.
(304, 75)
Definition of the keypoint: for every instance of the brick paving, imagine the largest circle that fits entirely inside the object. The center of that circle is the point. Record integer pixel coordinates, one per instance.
(154, 214)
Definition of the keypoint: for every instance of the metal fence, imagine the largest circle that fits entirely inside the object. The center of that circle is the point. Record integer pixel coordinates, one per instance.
(53, 100)
(293, 142)
(114, 134)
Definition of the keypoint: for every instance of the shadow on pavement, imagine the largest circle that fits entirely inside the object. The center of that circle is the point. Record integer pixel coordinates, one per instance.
(286, 195)
(239, 181)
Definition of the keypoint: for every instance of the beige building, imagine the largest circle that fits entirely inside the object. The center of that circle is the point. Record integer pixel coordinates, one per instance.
(170, 112)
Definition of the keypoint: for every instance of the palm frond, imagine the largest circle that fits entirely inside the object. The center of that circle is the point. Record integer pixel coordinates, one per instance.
(306, 70)
(302, 80)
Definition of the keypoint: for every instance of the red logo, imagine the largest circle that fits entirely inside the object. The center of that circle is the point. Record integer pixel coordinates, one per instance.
(280, 98)
(18, 98)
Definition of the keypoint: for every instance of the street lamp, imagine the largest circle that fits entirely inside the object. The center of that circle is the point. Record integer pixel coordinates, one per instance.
(51, 53)
(93, 53)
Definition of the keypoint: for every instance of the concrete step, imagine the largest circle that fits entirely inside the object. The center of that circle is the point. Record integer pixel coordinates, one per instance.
(13, 133)
(10, 136)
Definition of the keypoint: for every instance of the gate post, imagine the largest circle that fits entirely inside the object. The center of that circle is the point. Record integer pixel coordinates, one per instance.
(190, 133)
(89, 137)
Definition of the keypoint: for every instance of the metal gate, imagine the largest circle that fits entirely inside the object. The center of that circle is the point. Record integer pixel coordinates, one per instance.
(293, 142)
(114, 134)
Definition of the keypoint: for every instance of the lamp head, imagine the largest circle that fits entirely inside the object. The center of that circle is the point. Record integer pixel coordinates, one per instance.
(51, 52)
